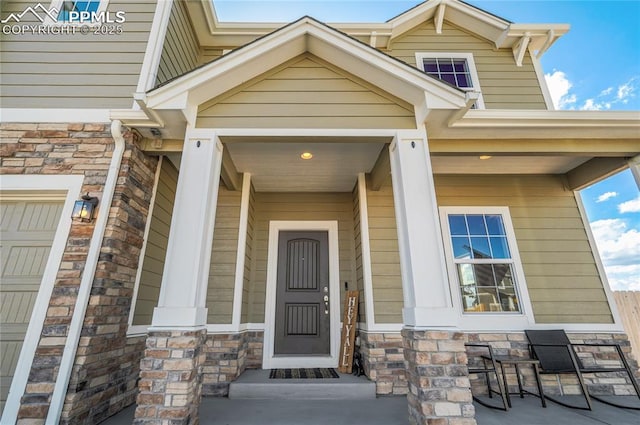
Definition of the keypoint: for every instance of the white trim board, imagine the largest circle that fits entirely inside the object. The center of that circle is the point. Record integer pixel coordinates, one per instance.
(72, 184)
(269, 360)
(241, 251)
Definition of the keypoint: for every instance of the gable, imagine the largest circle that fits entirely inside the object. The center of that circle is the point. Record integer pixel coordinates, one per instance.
(504, 84)
(306, 92)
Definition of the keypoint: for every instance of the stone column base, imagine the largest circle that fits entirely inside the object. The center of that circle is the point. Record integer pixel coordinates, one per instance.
(170, 378)
(439, 388)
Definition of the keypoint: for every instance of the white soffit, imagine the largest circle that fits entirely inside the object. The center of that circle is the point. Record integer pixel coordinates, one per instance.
(277, 167)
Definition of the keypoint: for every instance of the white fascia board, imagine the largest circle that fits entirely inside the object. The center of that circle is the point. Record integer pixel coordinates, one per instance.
(543, 118)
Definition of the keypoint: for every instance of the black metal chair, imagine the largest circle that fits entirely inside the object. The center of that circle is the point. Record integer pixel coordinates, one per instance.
(488, 367)
(557, 355)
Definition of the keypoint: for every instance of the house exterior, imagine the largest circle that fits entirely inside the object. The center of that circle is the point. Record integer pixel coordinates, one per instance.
(441, 185)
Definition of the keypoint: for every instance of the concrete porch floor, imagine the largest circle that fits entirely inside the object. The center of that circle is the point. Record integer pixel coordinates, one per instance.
(390, 411)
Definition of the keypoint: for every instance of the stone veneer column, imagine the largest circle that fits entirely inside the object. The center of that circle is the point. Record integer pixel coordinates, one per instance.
(171, 370)
(437, 373)
(170, 378)
(439, 388)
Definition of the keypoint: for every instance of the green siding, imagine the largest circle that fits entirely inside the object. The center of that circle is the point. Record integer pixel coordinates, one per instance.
(222, 272)
(306, 93)
(156, 245)
(504, 85)
(181, 52)
(559, 267)
(75, 71)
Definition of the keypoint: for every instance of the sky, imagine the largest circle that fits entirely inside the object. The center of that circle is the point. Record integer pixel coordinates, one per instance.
(595, 66)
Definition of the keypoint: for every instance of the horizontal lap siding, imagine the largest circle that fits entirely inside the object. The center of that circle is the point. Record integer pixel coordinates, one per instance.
(181, 52)
(299, 206)
(156, 245)
(306, 93)
(504, 85)
(75, 71)
(385, 258)
(223, 257)
(560, 270)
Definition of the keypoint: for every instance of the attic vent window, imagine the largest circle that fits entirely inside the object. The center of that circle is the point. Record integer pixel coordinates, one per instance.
(457, 69)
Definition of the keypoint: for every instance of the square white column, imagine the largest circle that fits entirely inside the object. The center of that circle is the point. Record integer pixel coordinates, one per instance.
(427, 298)
(183, 294)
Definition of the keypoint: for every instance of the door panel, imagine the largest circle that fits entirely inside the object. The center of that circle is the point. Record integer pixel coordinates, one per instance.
(302, 312)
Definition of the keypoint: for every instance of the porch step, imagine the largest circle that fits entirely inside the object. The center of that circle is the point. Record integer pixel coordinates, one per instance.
(255, 384)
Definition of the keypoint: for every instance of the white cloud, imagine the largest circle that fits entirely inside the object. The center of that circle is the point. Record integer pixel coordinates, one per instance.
(626, 278)
(592, 105)
(630, 206)
(607, 195)
(626, 90)
(559, 87)
(606, 91)
(619, 249)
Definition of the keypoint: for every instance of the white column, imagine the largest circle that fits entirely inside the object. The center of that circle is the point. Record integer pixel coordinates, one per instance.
(634, 166)
(427, 298)
(186, 268)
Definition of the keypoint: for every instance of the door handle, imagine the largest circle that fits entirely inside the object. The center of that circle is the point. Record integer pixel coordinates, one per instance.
(326, 298)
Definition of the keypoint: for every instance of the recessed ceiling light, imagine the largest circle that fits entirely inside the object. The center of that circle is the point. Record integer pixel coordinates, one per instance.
(485, 157)
(306, 155)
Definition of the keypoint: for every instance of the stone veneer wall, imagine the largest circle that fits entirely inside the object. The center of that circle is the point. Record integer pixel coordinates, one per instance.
(227, 356)
(171, 378)
(106, 365)
(515, 344)
(383, 360)
(384, 363)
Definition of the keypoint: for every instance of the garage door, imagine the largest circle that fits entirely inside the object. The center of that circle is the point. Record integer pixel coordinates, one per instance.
(27, 229)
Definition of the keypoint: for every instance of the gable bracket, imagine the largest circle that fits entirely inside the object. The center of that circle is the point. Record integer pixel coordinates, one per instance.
(373, 38)
(520, 48)
(550, 36)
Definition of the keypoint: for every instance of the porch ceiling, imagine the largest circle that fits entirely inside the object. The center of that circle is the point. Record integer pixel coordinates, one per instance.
(277, 167)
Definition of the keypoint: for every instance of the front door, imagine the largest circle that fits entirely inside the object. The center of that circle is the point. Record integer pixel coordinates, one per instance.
(302, 322)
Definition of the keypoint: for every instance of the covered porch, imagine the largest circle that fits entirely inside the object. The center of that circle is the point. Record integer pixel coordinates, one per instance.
(365, 175)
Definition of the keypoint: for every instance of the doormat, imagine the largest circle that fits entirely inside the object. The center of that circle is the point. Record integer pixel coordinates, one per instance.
(308, 373)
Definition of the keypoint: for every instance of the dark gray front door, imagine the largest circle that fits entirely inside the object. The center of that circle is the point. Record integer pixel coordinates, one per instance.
(302, 317)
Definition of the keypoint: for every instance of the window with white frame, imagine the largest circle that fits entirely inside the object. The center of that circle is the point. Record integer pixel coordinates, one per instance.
(481, 251)
(457, 69)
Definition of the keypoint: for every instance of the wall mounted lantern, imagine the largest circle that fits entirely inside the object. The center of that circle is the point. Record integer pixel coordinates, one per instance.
(84, 208)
